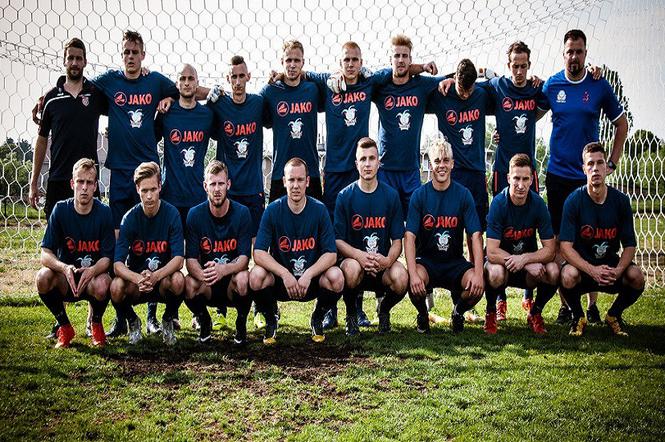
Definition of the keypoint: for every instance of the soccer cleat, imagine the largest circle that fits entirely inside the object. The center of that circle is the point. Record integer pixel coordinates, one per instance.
(527, 303)
(490, 323)
(436, 319)
(270, 335)
(152, 328)
(195, 323)
(316, 324)
(54, 332)
(593, 315)
(88, 328)
(205, 329)
(501, 310)
(363, 321)
(384, 323)
(135, 331)
(471, 316)
(98, 335)
(536, 323)
(240, 338)
(168, 332)
(578, 326)
(220, 321)
(65, 335)
(565, 315)
(422, 323)
(352, 326)
(457, 322)
(330, 319)
(118, 328)
(259, 321)
(615, 325)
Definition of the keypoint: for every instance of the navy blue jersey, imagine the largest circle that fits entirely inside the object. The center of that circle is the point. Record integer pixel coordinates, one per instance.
(186, 134)
(132, 107)
(516, 226)
(401, 112)
(223, 239)
(73, 123)
(80, 240)
(149, 243)
(291, 112)
(347, 118)
(576, 107)
(462, 122)
(296, 241)
(240, 142)
(597, 230)
(515, 109)
(369, 221)
(439, 218)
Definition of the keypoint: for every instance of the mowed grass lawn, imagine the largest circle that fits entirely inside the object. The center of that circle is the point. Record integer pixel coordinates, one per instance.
(404, 386)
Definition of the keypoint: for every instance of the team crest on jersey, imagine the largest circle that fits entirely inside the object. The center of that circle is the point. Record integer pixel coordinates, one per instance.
(241, 148)
(371, 243)
(443, 241)
(520, 123)
(467, 135)
(349, 116)
(86, 261)
(585, 97)
(507, 104)
(222, 259)
(299, 265)
(188, 156)
(136, 118)
(517, 248)
(296, 128)
(451, 117)
(561, 96)
(404, 120)
(153, 263)
(175, 136)
(600, 250)
(120, 98)
(85, 101)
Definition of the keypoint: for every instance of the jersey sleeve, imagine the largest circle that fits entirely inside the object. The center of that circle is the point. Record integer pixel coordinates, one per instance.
(569, 218)
(320, 79)
(108, 233)
(495, 220)
(53, 236)
(627, 225)
(471, 221)
(545, 230)
(176, 237)
(413, 215)
(267, 115)
(541, 99)
(326, 233)
(167, 87)
(159, 127)
(610, 104)
(381, 77)
(544, 103)
(396, 218)
(341, 218)
(245, 235)
(45, 124)
(192, 235)
(122, 244)
(264, 235)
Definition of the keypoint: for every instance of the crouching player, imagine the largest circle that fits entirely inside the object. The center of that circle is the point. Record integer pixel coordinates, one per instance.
(369, 228)
(439, 212)
(597, 219)
(295, 254)
(219, 242)
(149, 256)
(76, 255)
(513, 257)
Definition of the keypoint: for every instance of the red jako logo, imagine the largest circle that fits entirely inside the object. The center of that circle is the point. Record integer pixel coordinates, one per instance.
(428, 222)
(284, 244)
(357, 222)
(138, 247)
(507, 104)
(120, 98)
(175, 136)
(205, 246)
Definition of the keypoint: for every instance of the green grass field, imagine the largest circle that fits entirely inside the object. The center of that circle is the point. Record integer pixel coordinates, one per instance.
(404, 386)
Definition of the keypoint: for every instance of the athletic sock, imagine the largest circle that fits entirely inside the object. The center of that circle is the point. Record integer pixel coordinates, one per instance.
(172, 305)
(545, 293)
(528, 294)
(418, 302)
(152, 310)
(626, 297)
(351, 301)
(573, 298)
(53, 300)
(196, 305)
(98, 309)
(500, 296)
(491, 296)
(390, 300)
(461, 306)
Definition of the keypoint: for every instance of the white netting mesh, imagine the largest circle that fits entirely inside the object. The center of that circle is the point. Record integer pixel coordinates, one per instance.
(623, 36)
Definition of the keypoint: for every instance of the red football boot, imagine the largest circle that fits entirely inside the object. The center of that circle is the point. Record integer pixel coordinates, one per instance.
(65, 335)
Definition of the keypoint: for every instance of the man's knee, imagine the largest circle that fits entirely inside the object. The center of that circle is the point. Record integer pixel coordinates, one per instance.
(258, 278)
(570, 276)
(496, 275)
(241, 281)
(333, 279)
(118, 289)
(99, 287)
(635, 277)
(45, 280)
(191, 287)
(552, 273)
(398, 278)
(352, 271)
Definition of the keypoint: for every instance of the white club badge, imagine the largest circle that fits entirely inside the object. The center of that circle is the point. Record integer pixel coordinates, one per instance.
(86, 261)
(600, 250)
(242, 148)
(404, 120)
(561, 96)
(443, 241)
(350, 116)
(296, 128)
(299, 266)
(188, 156)
(153, 263)
(520, 124)
(136, 118)
(372, 242)
(467, 135)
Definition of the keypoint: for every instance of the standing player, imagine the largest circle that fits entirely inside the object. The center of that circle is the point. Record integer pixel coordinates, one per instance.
(219, 244)
(369, 228)
(149, 256)
(513, 256)
(295, 254)
(439, 212)
(291, 106)
(401, 106)
(598, 220)
(76, 255)
(576, 101)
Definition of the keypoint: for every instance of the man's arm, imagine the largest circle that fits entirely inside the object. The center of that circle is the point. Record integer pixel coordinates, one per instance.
(598, 273)
(37, 163)
(477, 283)
(627, 256)
(264, 259)
(194, 269)
(621, 125)
(348, 251)
(495, 254)
(174, 265)
(322, 264)
(49, 260)
(415, 282)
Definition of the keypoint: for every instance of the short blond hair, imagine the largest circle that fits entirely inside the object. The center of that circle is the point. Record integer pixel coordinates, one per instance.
(84, 164)
(293, 44)
(402, 40)
(440, 145)
(214, 167)
(147, 170)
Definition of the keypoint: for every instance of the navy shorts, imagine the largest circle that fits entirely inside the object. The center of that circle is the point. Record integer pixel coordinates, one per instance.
(476, 182)
(445, 274)
(122, 194)
(558, 189)
(374, 284)
(333, 183)
(500, 182)
(280, 293)
(277, 189)
(256, 205)
(219, 296)
(405, 182)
